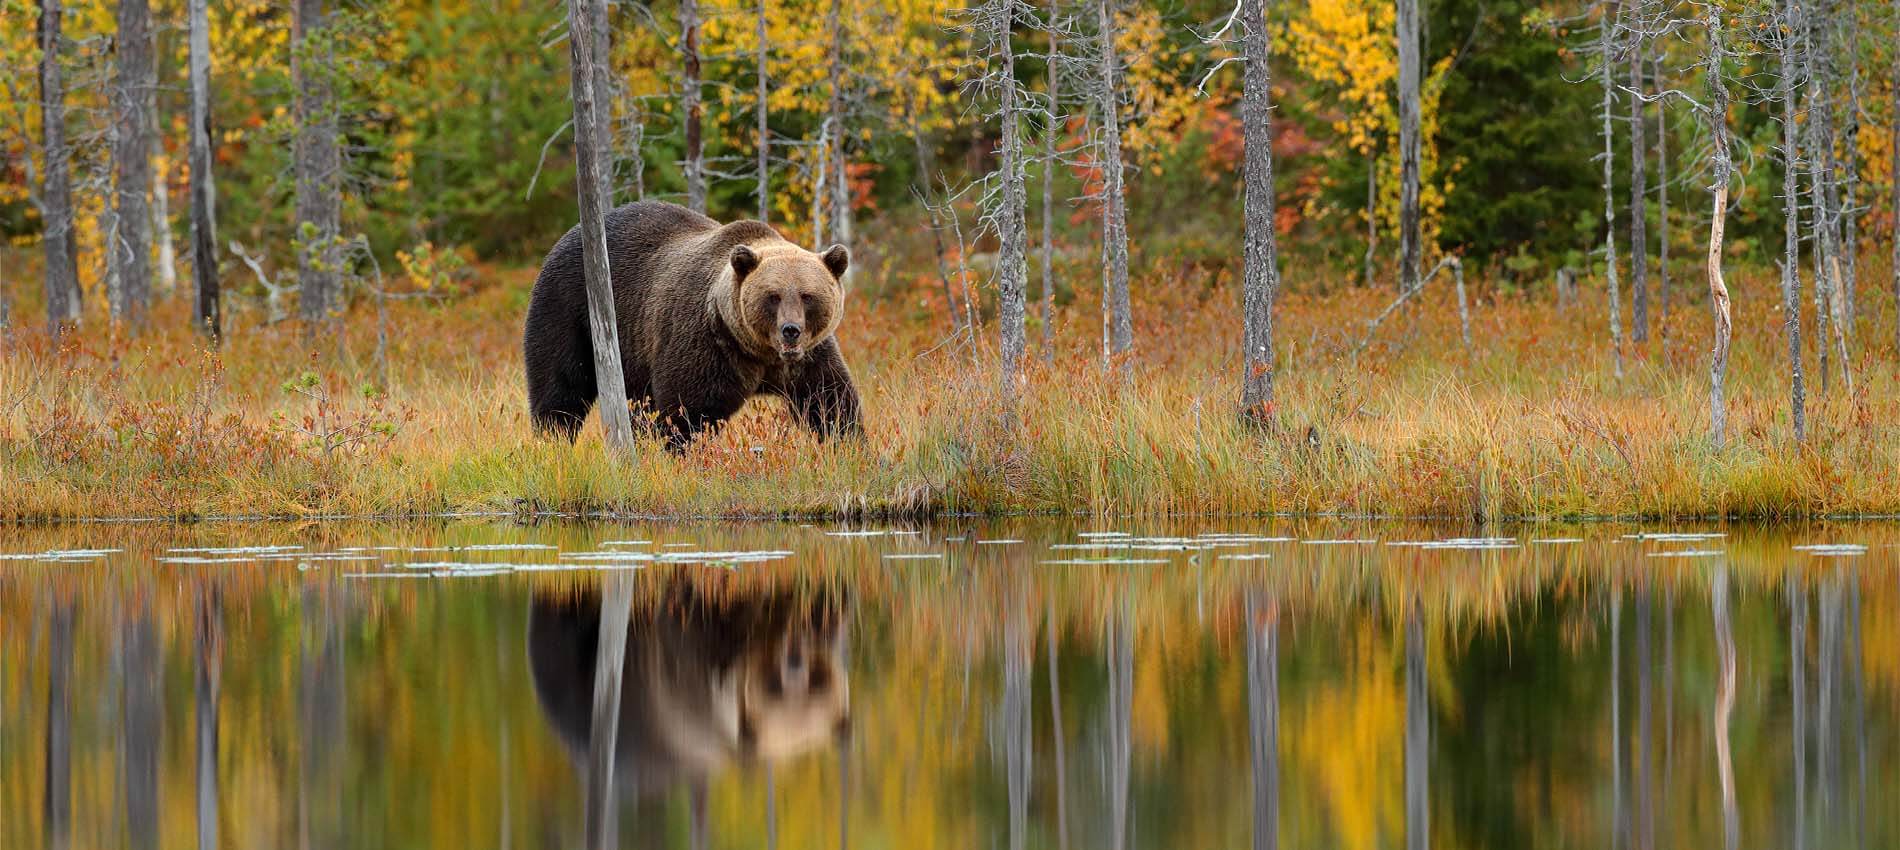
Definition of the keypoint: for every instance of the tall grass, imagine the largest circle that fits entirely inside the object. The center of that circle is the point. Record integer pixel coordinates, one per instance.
(1530, 423)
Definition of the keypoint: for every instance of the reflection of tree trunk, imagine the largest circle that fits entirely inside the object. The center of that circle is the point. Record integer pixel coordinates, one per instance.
(1798, 698)
(1055, 722)
(1017, 738)
(701, 831)
(1263, 716)
(1645, 803)
(1619, 820)
(610, 655)
(58, 808)
(1827, 665)
(1121, 674)
(1724, 704)
(1418, 825)
(1668, 699)
(141, 725)
(1857, 701)
(210, 666)
(320, 722)
(771, 810)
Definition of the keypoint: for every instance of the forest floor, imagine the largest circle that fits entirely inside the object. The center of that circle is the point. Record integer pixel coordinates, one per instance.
(1530, 422)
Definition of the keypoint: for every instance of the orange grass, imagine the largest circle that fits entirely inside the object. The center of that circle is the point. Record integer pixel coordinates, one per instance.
(1529, 424)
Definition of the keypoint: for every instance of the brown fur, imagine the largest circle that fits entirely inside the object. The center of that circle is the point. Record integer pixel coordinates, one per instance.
(702, 310)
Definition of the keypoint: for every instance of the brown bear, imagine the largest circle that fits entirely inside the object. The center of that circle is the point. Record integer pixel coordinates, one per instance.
(709, 316)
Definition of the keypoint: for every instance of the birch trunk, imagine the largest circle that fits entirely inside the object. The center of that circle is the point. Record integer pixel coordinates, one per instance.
(56, 188)
(1607, 47)
(1639, 193)
(584, 18)
(764, 140)
(1010, 267)
(690, 108)
(204, 231)
(1261, 271)
(132, 159)
(1407, 20)
(1121, 330)
(318, 163)
(1791, 220)
(1718, 218)
(840, 182)
(162, 201)
(1050, 154)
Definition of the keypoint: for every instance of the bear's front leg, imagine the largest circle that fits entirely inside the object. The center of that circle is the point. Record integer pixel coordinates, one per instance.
(689, 401)
(822, 396)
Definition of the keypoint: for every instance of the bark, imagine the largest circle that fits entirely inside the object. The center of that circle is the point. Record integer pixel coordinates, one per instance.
(764, 140)
(1051, 138)
(1850, 175)
(1372, 215)
(132, 159)
(1120, 324)
(318, 164)
(1010, 267)
(1260, 274)
(604, 726)
(1894, 173)
(1718, 218)
(204, 230)
(56, 189)
(1824, 200)
(1639, 192)
(587, 84)
(1607, 61)
(690, 104)
(1407, 19)
(1263, 716)
(1662, 210)
(162, 201)
(840, 182)
(1791, 222)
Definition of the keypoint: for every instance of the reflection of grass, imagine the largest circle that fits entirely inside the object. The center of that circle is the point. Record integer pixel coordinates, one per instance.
(1531, 425)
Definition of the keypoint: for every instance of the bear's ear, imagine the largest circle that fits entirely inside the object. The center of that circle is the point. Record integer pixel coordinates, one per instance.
(837, 259)
(744, 260)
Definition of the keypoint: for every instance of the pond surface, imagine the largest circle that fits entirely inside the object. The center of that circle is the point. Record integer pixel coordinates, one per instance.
(962, 685)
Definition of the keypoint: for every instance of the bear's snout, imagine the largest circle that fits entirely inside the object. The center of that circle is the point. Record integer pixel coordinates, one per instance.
(790, 332)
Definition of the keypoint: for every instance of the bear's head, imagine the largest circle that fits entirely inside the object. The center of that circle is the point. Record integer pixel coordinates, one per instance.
(784, 300)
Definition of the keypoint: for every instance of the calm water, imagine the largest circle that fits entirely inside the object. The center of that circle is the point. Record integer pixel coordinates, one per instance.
(1034, 684)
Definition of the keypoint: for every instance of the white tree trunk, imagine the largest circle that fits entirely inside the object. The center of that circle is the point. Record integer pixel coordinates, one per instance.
(839, 215)
(690, 108)
(162, 199)
(1791, 216)
(56, 188)
(1409, 249)
(586, 24)
(132, 159)
(1120, 324)
(1607, 60)
(1718, 217)
(204, 230)
(1260, 274)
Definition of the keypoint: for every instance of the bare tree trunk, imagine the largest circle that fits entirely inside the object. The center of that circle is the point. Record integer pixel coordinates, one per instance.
(1850, 175)
(1608, 60)
(162, 199)
(1260, 273)
(1050, 153)
(1010, 270)
(1121, 328)
(1718, 217)
(1372, 215)
(840, 182)
(1639, 191)
(132, 159)
(1407, 19)
(318, 164)
(204, 228)
(1662, 211)
(56, 189)
(586, 20)
(1894, 172)
(1823, 197)
(690, 105)
(1791, 219)
(610, 654)
(764, 141)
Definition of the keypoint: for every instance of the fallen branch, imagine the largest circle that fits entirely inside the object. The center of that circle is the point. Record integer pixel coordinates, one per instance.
(1464, 312)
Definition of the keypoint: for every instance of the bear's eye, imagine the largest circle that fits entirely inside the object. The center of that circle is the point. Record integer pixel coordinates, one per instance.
(807, 299)
(771, 301)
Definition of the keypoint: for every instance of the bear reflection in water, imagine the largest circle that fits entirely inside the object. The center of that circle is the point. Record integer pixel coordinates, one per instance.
(711, 678)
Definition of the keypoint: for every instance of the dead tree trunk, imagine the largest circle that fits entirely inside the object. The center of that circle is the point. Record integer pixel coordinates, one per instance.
(1823, 198)
(759, 116)
(1050, 156)
(1662, 208)
(318, 164)
(1120, 324)
(1607, 60)
(1372, 215)
(1011, 271)
(1849, 178)
(161, 197)
(840, 183)
(56, 188)
(1639, 191)
(1260, 273)
(586, 24)
(690, 108)
(610, 652)
(1718, 217)
(1894, 171)
(1407, 19)
(204, 228)
(132, 159)
(1791, 216)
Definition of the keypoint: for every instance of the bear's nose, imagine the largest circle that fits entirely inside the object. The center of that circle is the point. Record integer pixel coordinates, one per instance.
(790, 332)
